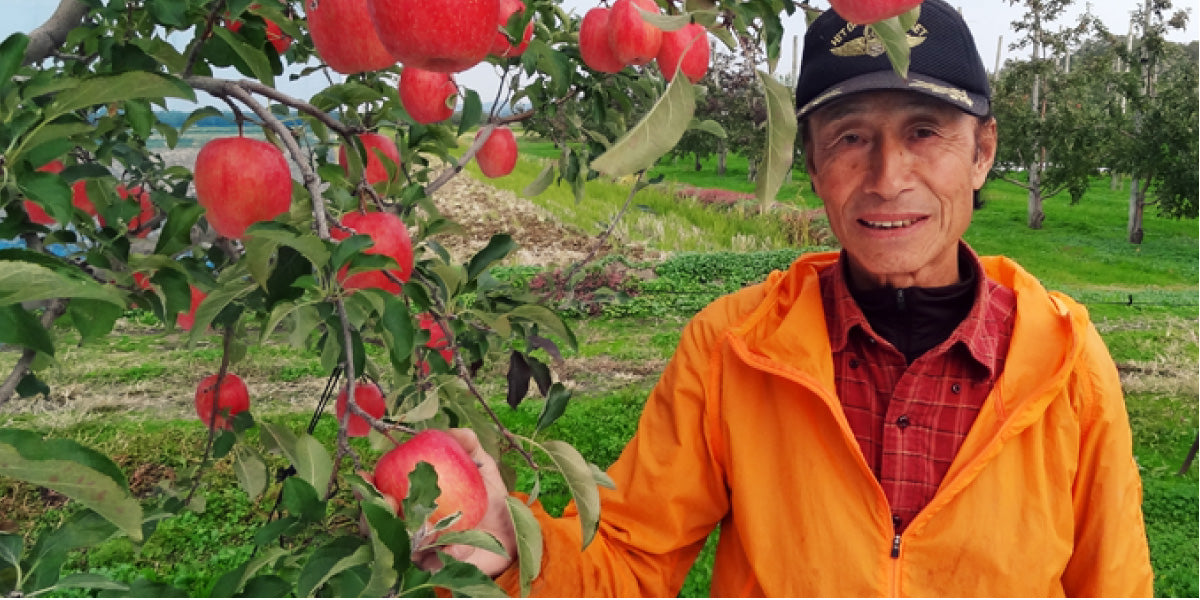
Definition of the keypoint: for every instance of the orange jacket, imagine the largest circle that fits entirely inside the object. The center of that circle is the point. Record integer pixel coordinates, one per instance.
(744, 430)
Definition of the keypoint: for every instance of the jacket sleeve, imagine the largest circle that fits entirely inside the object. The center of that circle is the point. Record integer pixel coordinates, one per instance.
(1111, 556)
(669, 495)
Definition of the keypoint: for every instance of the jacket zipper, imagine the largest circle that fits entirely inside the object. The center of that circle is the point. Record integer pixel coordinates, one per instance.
(896, 546)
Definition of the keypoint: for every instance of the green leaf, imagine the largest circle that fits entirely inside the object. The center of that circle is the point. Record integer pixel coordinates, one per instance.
(11, 548)
(139, 116)
(82, 530)
(51, 192)
(895, 43)
(254, 58)
(539, 185)
(465, 579)
(397, 322)
(250, 469)
(214, 303)
(93, 319)
(499, 246)
(472, 112)
(310, 458)
(169, 12)
(781, 135)
(301, 500)
(233, 581)
(19, 327)
(654, 135)
(709, 126)
(85, 581)
(664, 22)
(60, 130)
(544, 317)
(909, 19)
(556, 404)
(474, 538)
(12, 54)
(73, 470)
(529, 542)
(423, 493)
(104, 89)
(22, 281)
(389, 542)
(583, 486)
(338, 555)
(196, 115)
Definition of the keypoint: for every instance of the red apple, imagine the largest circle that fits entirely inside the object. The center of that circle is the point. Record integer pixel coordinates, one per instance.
(232, 398)
(685, 49)
(185, 322)
(147, 208)
(241, 181)
(457, 476)
(391, 238)
(79, 198)
(374, 143)
(593, 42)
(632, 39)
(866, 12)
(344, 37)
(427, 96)
(275, 35)
(448, 37)
(370, 398)
(501, 47)
(438, 341)
(498, 154)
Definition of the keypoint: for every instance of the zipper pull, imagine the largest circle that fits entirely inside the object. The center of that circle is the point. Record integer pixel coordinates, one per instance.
(896, 546)
(900, 299)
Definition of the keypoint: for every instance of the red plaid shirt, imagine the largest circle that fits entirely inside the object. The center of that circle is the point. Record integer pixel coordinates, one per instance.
(910, 420)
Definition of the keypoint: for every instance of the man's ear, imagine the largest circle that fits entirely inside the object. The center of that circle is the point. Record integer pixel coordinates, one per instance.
(985, 152)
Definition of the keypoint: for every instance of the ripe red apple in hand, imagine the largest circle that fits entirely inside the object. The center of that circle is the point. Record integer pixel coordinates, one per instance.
(685, 49)
(370, 398)
(344, 38)
(390, 237)
(232, 398)
(241, 181)
(866, 12)
(498, 154)
(427, 96)
(448, 37)
(145, 215)
(501, 46)
(374, 143)
(632, 39)
(458, 476)
(593, 42)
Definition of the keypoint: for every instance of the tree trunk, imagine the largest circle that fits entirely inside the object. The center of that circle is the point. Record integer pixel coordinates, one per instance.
(721, 160)
(699, 167)
(1137, 203)
(1036, 216)
(751, 170)
(1114, 184)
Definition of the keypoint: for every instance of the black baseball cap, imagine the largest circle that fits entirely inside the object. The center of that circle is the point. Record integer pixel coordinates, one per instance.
(843, 58)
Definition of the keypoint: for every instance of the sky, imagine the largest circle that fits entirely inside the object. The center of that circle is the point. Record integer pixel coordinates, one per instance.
(989, 20)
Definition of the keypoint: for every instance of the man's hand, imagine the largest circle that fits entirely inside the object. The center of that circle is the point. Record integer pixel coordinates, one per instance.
(496, 521)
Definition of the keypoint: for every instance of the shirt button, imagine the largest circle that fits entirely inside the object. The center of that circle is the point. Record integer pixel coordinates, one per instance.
(871, 341)
(955, 388)
(902, 422)
(854, 363)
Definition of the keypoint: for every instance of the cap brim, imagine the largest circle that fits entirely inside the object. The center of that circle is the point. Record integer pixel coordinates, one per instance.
(968, 102)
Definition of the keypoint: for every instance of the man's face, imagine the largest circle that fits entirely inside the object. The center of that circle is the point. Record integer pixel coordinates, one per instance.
(896, 171)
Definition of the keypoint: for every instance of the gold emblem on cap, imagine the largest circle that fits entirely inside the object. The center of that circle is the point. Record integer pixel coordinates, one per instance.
(869, 43)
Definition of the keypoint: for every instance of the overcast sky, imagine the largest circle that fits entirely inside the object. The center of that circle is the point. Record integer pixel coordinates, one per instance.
(990, 20)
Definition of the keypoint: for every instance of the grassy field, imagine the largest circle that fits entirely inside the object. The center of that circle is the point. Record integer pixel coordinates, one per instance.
(130, 394)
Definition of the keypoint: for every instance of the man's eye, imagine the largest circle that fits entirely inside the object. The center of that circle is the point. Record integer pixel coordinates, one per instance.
(924, 132)
(850, 138)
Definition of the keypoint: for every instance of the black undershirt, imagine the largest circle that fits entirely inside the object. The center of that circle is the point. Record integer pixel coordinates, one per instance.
(915, 319)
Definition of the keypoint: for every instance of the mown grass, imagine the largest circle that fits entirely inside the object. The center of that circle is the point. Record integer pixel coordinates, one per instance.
(1081, 250)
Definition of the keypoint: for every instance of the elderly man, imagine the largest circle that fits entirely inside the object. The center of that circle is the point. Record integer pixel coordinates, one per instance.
(899, 418)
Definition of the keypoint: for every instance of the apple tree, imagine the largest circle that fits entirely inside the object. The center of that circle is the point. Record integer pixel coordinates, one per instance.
(315, 225)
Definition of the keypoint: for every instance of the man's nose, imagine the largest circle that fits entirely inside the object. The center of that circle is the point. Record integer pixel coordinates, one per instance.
(891, 168)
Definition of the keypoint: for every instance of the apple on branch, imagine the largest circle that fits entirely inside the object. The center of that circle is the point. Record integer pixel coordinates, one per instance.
(232, 398)
(241, 181)
(427, 96)
(185, 321)
(685, 49)
(370, 398)
(458, 478)
(866, 12)
(447, 37)
(594, 49)
(275, 35)
(344, 38)
(438, 342)
(633, 40)
(390, 238)
(375, 144)
(498, 154)
(79, 198)
(502, 47)
(146, 211)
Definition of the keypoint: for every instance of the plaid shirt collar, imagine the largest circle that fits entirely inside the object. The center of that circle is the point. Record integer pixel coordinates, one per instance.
(973, 333)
